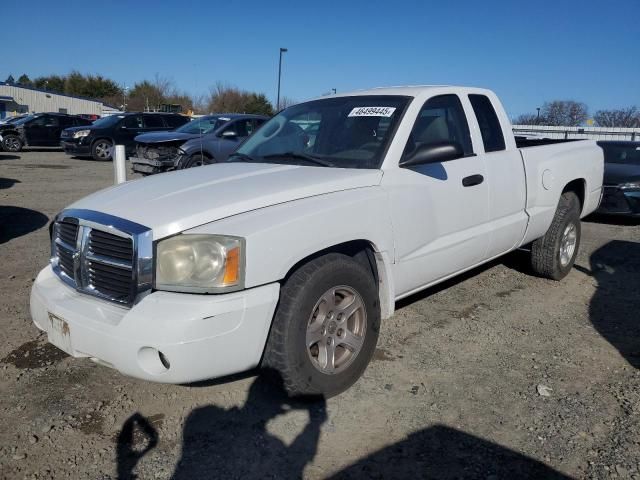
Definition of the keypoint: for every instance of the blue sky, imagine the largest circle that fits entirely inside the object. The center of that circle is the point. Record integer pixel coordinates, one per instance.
(528, 52)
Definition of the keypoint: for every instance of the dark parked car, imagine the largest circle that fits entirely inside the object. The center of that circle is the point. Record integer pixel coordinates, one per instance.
(97, 140)
(621, 178)
(37, 130)
(209, 139)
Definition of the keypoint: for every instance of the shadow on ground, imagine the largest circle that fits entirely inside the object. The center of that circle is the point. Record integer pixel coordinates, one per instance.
(232, 443)
(18, 221)
(611, 219)
(445, 453)
(235, 443)
(6, 156)
(614, 309)
(7, 182)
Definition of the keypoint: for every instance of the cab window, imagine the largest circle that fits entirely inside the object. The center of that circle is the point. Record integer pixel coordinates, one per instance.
(441, 119)
(492, 136)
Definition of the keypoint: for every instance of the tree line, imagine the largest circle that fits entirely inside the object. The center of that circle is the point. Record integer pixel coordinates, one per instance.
(569, 113)
(151, 95)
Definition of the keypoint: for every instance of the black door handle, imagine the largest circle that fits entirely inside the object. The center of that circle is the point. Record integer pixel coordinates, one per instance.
(472, 180)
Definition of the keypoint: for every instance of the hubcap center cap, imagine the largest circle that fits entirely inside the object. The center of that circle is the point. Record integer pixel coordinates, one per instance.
(332, 328)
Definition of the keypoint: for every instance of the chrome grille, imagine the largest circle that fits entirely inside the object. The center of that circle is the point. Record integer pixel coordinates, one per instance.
(102, 255)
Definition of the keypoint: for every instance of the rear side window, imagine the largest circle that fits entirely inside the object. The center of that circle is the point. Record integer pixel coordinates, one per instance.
(133, 121)
(441, 119)
(175, 121)
(66, 122)
(492, 136)
(153, 121)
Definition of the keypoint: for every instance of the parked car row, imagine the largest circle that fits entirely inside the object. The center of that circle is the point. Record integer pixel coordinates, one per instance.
(97, 140)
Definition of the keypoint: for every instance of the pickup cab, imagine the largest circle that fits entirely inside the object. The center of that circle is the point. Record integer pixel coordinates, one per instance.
(291, 253)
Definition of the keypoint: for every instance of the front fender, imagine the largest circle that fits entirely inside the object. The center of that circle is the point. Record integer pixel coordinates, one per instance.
(280, 236)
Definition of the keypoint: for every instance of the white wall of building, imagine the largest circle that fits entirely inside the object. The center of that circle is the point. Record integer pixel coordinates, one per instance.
(26, 100)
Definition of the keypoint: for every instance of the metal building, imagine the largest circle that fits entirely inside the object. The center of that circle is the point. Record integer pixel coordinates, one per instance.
(18, 99)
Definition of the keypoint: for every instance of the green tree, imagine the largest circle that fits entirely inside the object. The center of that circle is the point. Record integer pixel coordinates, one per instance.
(257, 103)
(25, 80)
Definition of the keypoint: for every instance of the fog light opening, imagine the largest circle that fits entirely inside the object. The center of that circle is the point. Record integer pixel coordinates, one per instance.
(164, 360)
(153, 361)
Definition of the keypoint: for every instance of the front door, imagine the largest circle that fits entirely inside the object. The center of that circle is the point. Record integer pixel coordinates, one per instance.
(36, 131)
(129, 129)
(439, 210)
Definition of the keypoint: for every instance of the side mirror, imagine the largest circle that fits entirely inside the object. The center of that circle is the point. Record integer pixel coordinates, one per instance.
(229, 134)
(434, 153)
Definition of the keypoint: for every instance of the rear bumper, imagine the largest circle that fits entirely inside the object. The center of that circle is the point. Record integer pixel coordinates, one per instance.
(616, 201)
(200, 336)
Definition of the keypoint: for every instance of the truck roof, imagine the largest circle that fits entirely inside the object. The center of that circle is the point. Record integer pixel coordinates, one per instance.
(411, 90)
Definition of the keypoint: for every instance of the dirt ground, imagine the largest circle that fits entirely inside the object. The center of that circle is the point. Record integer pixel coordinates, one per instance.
(494, 375)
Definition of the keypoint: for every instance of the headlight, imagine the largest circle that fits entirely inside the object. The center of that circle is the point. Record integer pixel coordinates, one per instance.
(630, 186)
(81, 133)
(200, 263)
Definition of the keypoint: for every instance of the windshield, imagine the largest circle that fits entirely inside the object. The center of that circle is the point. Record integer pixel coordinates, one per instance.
(621, 153)
(24, 119)
(344, 132)
(203, 125)
(106, 122)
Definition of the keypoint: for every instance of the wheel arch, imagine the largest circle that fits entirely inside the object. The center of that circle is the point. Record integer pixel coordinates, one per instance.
(579, 187)
(368, 255)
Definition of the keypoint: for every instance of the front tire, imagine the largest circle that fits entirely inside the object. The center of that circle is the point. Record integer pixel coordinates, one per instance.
(101, 150)
(326, 326)
(11, 143)
(196, 160)
(553, 255)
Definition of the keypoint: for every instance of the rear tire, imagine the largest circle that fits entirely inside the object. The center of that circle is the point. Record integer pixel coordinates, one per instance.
(326, 326)
(553, 255)
(102, 150)
(11, 143)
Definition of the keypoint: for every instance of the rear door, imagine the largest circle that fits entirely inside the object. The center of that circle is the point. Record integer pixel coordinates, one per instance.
(439, 210)
(505, 178)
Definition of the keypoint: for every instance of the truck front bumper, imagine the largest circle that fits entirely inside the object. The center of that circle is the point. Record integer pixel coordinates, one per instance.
(166, 337)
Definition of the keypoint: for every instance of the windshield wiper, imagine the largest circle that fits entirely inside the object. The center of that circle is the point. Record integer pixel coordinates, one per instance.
(301, 156)
(242, 157)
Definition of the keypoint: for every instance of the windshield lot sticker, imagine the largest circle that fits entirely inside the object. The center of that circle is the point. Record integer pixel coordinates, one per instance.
(372, 112)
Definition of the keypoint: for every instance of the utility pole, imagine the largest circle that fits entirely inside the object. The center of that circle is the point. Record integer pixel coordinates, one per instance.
(282, 50)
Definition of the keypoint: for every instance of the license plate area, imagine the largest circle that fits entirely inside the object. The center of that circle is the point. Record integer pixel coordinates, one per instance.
(59, 333)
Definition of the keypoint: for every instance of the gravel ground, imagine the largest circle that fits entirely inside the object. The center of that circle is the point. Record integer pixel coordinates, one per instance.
(493, 375)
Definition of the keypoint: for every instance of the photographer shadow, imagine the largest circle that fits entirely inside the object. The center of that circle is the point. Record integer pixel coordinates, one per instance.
(234, 442)
(615, 306)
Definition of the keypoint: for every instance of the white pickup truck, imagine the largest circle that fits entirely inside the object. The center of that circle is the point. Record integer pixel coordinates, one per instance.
(291, 253)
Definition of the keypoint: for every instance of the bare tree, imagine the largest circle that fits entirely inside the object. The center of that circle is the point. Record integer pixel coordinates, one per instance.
(224, 98)
(567, 113)
(528, 119)
(287, 102)
(623, 117)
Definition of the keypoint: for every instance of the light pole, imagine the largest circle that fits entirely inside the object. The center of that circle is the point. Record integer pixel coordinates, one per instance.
(282, 50)
(334, 91)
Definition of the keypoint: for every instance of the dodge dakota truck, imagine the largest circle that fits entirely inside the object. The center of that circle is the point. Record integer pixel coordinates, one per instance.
(291, 253)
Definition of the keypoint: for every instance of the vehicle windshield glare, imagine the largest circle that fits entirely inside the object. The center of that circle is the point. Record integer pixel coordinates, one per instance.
(343, 132)
(203, 125)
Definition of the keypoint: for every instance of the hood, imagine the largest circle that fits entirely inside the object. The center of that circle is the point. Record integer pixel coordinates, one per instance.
(173, 202)
(81, 127)
(618, 173)
(161, 137)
